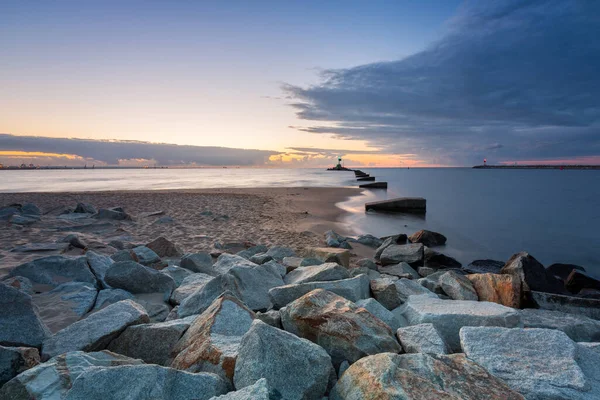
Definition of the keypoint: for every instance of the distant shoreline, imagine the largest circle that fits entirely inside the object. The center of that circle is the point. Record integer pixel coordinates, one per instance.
(537, 167)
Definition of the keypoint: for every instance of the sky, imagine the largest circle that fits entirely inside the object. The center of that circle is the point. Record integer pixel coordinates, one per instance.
(295, 84)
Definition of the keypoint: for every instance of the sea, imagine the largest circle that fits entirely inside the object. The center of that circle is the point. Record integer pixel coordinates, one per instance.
(485, 213)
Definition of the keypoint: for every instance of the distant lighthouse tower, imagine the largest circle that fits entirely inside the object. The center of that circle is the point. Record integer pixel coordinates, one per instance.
(485, 162)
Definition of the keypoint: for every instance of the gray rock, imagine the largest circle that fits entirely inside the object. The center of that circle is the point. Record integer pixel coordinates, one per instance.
(40, 247)
(400, 270)
(484, 267)
(388, 241)
(157, 309)
(385, 315)
(436, 260)
(344, 330)
(372, 274)
(578, 327)
(198, 262)
(65, 304)
(136, 278)
(54, 378)
(74, 241)
(7, 212)
(353, 289)
(123, 255)
(449, 316)
(366, 263)
(21, 283)
(177, 273)
(164, 247)
(421, 338)
(271, 317)
(253, 285)
(99, 264)
(419, 376)
(85, 208)
(432, 282)
(145, 256)
(333, 239)
(317, 273)
(457, 286)
(252, 251)
(369, 240)
(343, 368)
(568, 304)
(260, 258)
(50, 272)
(227, 261)
(212, 342)
(115, 214)
(275, 266)
(14, 360)
(428, 238)
(188, 286)
(411, 254)
(279, 253)
(296, 368)
(426, 271)
(407, 287)
(292, 263)
(30, 209)
(152, 343)
(201, 299)
(141, 382)
(107, 297)
(538, 363)
(25, 220)
(385, 292)
(20, 324)
(309, 261)
(259, 391)
(96, 331)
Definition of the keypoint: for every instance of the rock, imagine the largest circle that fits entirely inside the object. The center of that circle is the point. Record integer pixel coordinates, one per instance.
(136, 278)
(107, 297)
(369, 240)
(449, 316)
(271, 317)
(279, 253)
(152, 343)
(407, 287)
(99, 264)
(343, 368)
(259, 391)
(538, 363)
(199, 301)
(14, 360)
(189, 285)
(437, 260)
(328, 254)
(411, 254)
(292, 263)
(419, 376)
(579, 280)
(422, 338)
(7, 212)
(400, 270)
(366, 271)
(428, 238)
(562, 271)
(317, 273)
(296, 368)
(252, 251)
(588, 307)
(385, 292)
(426, 271)
(227, 261)
(116, 214)
(497, 288)
(578, 327)
(253, 285)
(97, 330)
(367, 263)
(21, 283)
(387, 241)
(74, 241)
(50, 272)
(261, 258)
(212, 342)
(140, 382)
(145, 256)
(457, 286)
(155, 307)
(164, 248)
(24, 219)
(124, 255)
(31, 209)
(40, 247)
(532, 275)
(432, 282)
(390, 319)
(20, 323)
(198, 262)
(353, 289)
(344, 330)
(85, 208)
(484, 267)
(65, 304)
(54, 378)
(415, 205)
(177, 273)
(274, 266)
(333, 239)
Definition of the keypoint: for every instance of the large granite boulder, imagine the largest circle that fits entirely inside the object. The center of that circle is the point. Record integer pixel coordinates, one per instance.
(330, 254)
(136, 278)
(297, 368)
(317, 273)
(271, 317)
(252, 251)
(353, 289)
(141, 382)
(421, 338)
(164, 247)
(85, 208)
(589, 307)
(538, 363)
(253, 284)
(177, 273)
(198, 262)
(279, 253)
(54, 378)
(21, 283)
(261, 390)
(96, 331)
(408, 287)
(344, 330)
(107, 297)
(145, 256)
(562, 271)
(20, 323)
(436, 260)
(115, 213)
(401, 270)
(385, 292)
(578, 327)
(419, 376)
(227, 261)
(497, 288)
(369, 240)
(334, 239)
(49, 272)
(189, 285)
(65, 304)
(388, 241)
(378, 310)
(428, 238)
(152, 343)
(457, 286)
(578, 280)
(212, 342)
(532, 275)
(14, 360)
(411, 254)
(449, 316)
(484, 267)
(99, 264)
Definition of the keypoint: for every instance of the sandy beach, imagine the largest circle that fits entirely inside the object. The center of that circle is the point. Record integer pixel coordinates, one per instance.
(294, 217)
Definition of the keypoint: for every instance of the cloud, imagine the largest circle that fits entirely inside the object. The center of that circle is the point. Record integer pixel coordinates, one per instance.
(54, 151)
(513, 79)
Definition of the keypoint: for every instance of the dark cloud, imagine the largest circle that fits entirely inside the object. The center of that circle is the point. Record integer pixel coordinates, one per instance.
(330, 152)
(115, 152)
(514, 79)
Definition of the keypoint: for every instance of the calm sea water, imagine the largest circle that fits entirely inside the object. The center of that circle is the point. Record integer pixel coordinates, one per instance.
(553, 214)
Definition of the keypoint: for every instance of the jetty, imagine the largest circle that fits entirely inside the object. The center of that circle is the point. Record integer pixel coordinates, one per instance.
(416, 205)
(366, 178)
(361, 176)
(374, 185)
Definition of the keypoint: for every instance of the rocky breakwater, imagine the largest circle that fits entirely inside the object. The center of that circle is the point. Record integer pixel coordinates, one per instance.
(270, 323)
